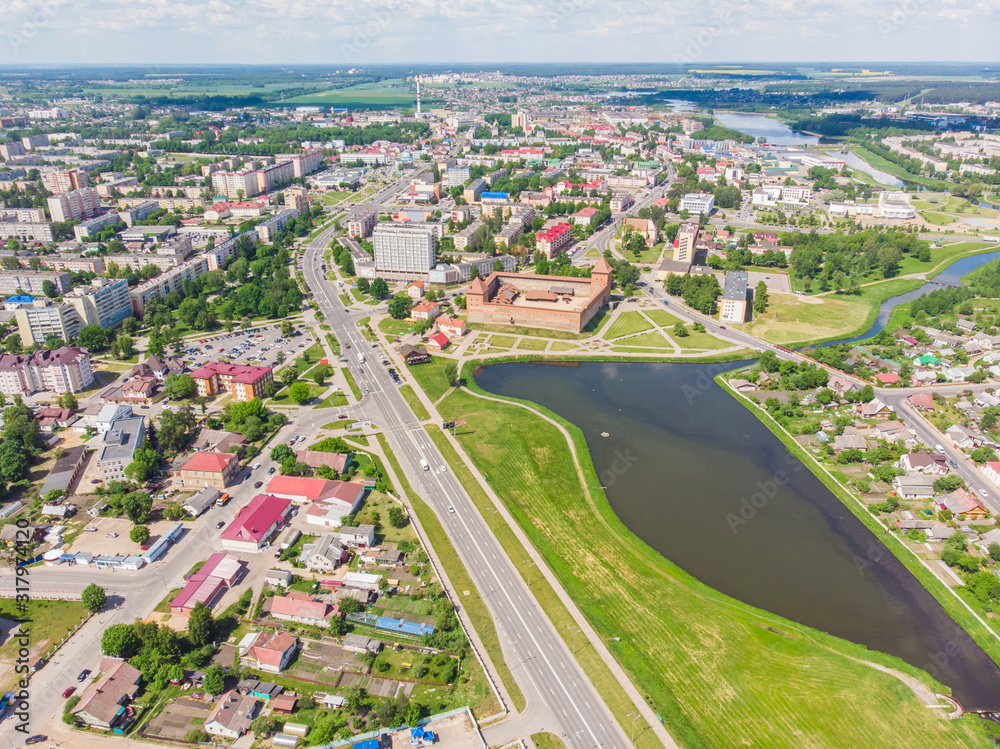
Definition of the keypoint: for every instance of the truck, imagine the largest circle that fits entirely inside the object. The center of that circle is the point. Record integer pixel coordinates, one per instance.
(424, 464)
(222, 500)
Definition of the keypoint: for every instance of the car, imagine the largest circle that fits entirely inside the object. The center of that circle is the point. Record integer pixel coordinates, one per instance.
(256, 466)
(347, 345)
(983, 492)
(95, 481)
(258, 484)
(342, 416)
(112, 534)
(444, 469)
(953, 464)
(38, 738)
(68, 691)
(270, 470)
(722, 327)
(220, 524)
(83, 675)
(451, 509)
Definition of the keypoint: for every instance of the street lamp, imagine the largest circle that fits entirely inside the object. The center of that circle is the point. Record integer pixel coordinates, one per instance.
(494, 519)
(634, 716)
(530, 565)
(575, 633)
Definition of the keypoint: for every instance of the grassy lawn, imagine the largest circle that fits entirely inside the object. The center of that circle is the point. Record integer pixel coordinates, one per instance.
(793, 319)
(414, 402)
(333, 400)
(652, 339)
(358, 295)
(690, 649)
(351, 383)
(46, 622)
(345, 300)
(431, 377)
(473, 604)
(897, 171)
(626, 324)
(547, 741)
(338, 424)
(938, 219)
(661, 317)
(701, 341)
(501, 341)
(532, 344)
(941, 256)
(561, 346)
(392, 327)
(315, 391)
(329, 198)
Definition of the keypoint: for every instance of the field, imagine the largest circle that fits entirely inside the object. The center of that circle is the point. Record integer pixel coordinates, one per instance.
(897, 171)
(47, 623)
(431, 377)
(697, 654)
(414, 402)
(626, 324)
(381, 95)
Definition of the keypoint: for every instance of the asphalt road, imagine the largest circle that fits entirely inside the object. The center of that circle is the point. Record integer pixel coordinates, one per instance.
(536, 654)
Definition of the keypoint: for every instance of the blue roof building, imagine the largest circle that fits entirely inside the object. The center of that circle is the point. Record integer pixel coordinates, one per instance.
(18, 300)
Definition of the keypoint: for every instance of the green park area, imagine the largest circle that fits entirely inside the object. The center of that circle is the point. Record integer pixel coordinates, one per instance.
(387, 94)
(694, 652)
(46, 624)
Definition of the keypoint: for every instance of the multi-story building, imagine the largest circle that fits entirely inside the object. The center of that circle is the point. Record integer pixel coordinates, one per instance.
(399, 247)
(895, 205)
(362, 224)
(687, 235)
(111, 187)
(72, 263)
(105, 302)
(33, 281)
(620, 201)
(554, 239)
(697, 203)
(62, 370)
(302, 163)
(219, 255)
(139, 260)
(11, 150)
(94, 226)
(119, 445)
(137, 212)
(31, 142)
(172, 280)
(242, 381)
(25, 231)
(74, 206)
(458, 175)
(65, 180)
(271, 177)
(24, 215)
(44, 318)
(269, 227)
(474, 190)
(297, 199)
(236, 184)
(735, 305)
(210, 469)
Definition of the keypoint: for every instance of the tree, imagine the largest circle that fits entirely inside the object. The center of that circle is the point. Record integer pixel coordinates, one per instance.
(350, 606)
(263, 726)
(288, 375)
(400, 306)
(271, 389)
(144, 463)
(397, 518)
(68, 400)
(760, 298)
(299, 392)
(450, 373)
(287, 329)
(949, 483)
(92, 337)
(180, 386)
(379, 288)
(281, 453)
(93, 598)
(994, 550)
(49, 289)
(320, 374)
(125, 344)
(363, 285)
(200, 626)
(983, 454)
(119, 641)
(337, 627)
(215, 680)
(139, 534)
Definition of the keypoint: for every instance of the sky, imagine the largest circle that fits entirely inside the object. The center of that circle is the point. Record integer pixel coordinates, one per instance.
(359, 32)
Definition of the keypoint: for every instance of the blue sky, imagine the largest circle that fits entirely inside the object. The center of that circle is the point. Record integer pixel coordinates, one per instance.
(356, 32)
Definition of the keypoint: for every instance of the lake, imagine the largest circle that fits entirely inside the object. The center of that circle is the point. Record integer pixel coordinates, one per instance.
(699, 458)
(774, 131)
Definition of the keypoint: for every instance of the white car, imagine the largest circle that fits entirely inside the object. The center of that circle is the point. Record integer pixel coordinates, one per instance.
(256, 466)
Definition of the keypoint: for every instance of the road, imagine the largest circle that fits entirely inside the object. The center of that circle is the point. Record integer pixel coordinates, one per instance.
(549, 675)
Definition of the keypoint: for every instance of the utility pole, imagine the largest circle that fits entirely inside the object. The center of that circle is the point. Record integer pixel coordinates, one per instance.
(575, 633)
(634, 716)
(493, 518)
(530, 565)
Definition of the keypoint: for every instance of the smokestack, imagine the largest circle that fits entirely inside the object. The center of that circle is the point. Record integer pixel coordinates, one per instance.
(418, 96)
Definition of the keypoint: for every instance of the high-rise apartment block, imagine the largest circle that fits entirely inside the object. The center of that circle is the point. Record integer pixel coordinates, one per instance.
(403, 248)
(74, 206)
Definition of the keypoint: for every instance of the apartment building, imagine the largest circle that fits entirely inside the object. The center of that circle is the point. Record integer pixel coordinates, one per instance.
(62, 370)
(24, 215)
(271, 177)
(297, 199)
(237, 184)
(11, 150)
(243, 381)
(171, 280)
(71, 263)
(687, 235)
(554, 239)
(399, 247)
(302, 163)
(31, 142)
(44, 318)
(137, 212)
(65, 180)
(269, 227)
(95, 226)
(474, 190)
(697, 203)
(26, 231)
(139, 260)
(119, 185)
(32, 281)
(735, 306)
(75, 205)
(362, 224)
(105, 302)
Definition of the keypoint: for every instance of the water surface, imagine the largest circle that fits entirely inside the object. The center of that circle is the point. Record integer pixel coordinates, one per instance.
(701, 480)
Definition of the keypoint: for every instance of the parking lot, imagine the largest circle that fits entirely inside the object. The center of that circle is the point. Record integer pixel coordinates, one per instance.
(258, 346)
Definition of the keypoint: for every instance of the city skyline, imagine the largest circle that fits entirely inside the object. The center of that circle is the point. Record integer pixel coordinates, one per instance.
(156, 32)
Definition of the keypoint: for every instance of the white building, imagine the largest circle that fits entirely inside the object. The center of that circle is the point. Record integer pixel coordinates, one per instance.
(698, 202)
(403, 248)
(896, 205)
(75, 205)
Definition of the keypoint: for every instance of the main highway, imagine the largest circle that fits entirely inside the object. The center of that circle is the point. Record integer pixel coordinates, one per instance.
(541, 662)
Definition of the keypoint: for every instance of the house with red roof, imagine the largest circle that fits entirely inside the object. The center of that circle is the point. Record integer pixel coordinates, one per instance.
(964, 506)
(209, 469)
(243, 381)
(887, 378)
(554, 239)
(267, 651)
(585, 216)
(425, 311)
(453, 327)
(207, 585)
(256, 523)
(298, 607)
(103, 703)
(992, 471)
(437, 342)
(313, 459)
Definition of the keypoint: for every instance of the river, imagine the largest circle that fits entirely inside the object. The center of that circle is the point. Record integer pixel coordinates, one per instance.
(774, 131)
(699, 459)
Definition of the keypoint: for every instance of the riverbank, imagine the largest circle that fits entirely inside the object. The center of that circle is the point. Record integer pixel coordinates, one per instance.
(695, 652)
(959, 610)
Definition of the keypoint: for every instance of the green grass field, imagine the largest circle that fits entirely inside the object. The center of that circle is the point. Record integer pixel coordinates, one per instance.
(46, 622)
(593, 327)
(410, 396)
(379, 95)
(652, 339)
(430, 377)
(721, 673)
(626, 324)
(351, 383)
(661, 317)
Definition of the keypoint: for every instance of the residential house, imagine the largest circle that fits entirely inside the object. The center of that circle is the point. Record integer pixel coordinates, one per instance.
(921, 401)
(298, 607)
(357, 537)
(231, 716)
(925, 462)
(361, 644)
(841, 385)
(219, 440)
(875, 409)
(267, 651)
(217, 470)
(438, 342)
(849, 442)
(256, 523)
(962, 438)
(337, 461)
(278, 578)
(914, 487)
(49, 418)
(893, 431)
(992, 471)
(103, 702)
(964, 506)
(209, 583)
(452, 327)
(888, 378)
(325, 554)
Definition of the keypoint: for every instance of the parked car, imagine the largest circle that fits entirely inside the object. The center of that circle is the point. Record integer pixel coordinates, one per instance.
(270, 470)
(258, 484)
(68, 691)
(83, 675)
(112, 534)
(38, 738)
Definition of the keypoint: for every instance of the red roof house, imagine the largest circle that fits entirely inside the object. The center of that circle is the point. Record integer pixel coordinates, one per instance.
(255, 523)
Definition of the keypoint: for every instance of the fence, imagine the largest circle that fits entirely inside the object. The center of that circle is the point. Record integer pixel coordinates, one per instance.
(405, 727)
